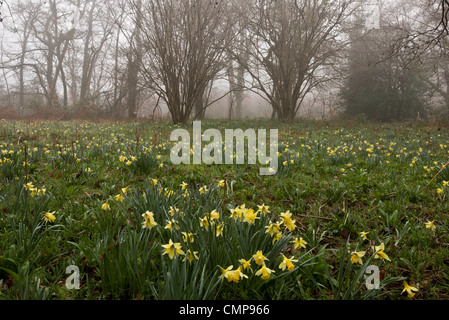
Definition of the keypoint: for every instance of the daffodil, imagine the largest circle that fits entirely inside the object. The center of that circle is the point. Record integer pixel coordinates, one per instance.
(214, 215)
(49, 216)
(172, 249)
(171, 225)
(149, 221)
(238, 275)
(431, 225)
(183, 185)
(187, 237)
(106, 206)
(227, 273)
(250, 216)
(33, 192)
(287, 263)
(246, 264)
(287, 220)
(125, 190)
(264, 272)
(168, 193)
(363, 235)
(299, 243)
(119, 197)
(263, 209)
(273, 228)
(356, 257)
(219, 231)
(409, 289)
(154, 182)
(173, 210)
(203, 189)
(380, 254)
(259, 258)
(236, 214)
(191, 256)
(276, 237)
(221, 183)
(204, 222)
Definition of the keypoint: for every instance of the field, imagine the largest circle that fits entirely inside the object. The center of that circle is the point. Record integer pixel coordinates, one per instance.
(105, 198)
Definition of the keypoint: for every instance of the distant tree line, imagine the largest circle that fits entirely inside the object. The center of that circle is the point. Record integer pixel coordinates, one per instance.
(110, 58)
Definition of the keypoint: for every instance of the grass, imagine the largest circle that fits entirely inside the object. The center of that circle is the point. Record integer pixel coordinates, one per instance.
(336, 180)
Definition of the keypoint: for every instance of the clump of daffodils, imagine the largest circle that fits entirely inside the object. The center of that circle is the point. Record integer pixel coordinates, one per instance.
(34, 191)
(378, 251)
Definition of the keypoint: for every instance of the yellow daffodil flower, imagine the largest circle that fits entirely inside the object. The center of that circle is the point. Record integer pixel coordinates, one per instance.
(259, 258)
(227, 273)
(431, 225)
(264, 272)
(172, 249)
(204, 222)
(238, 274)
(187, 237)
(49, 216)
(236, 214)
(125, 190)
(299, 243)
(287, 263)
(214, 215)
(409, 289)
(380, 254)
(106, 206)
(171, 225)
(363, 235)
(287, 220)
(273, 228)
(250, 216)
(246, 263)
(263, 209)
(149, 221)
(119, 197)
(356, 257)
(173, 210)
(219, 231)
(191, 256)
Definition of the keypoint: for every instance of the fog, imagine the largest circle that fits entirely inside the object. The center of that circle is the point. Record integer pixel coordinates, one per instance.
(183, 60)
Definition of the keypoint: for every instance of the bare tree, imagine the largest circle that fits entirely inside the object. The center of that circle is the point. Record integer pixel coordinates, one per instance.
(25, 16)
(444, 23)
(184, 46)
(291, 42)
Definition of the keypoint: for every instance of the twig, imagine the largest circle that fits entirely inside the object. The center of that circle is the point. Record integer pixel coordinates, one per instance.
(51, 173)
(444, 167)
(316, 217)
(26, 165)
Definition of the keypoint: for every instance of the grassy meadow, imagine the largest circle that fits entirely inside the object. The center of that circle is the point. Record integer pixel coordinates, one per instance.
(105, 197)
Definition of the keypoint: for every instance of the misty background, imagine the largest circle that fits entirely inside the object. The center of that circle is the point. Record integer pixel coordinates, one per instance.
(194, 59)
